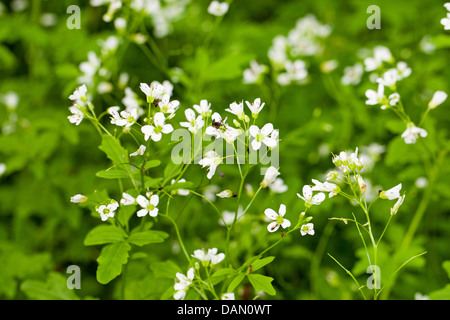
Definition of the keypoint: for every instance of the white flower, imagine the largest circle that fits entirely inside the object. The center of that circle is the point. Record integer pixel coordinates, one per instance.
(269, 177)
(79, 96)
(347, 162)
(394, 98)
(307, 229)
(262, 136)
(389, 78)
(217, 8)
(193, 123)
(153, 92)
(237, 109)
(278, 186)
(155, 131)
(215, 257)
(203, 109)
(375, 97)
(391, 194)
(139, 152)
(446, 22)
(397, 205)
(77, 115)
(218, 126)
(182, 284)
(380, 54)
(253, 74)
(211, 160)
(209, 256)
(352, 74)
(168, 106)
(326, 186)
(277, 218)
(309, 198)
(148, 205)
(255, 107)
(228, 216)
(11, 100)
(228, 296)
(296, 70)
(438, 98)
(127, 200)
(126, 118)
(78, 198)
(107, 211)
(412, 133)
(403, 70)
(225, 194)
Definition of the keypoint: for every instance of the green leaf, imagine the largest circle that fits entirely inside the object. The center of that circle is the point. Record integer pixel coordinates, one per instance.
(146, 237)
(262, 283)
(258, 264)
(235, 282)
(167, 269)
(151, 182)
(104, 234)
(110, 261)
(152, 164)
(114, 151)
(55, 288)
(221, 274)
(446, 266)
(112, 174)
(229, 67)
(441, 294)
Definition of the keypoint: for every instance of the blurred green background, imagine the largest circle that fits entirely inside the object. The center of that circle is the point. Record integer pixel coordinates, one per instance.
(48, 160)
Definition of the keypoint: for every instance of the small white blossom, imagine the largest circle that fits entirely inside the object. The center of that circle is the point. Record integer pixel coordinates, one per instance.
(217, 8)
(375, 97)
(326, 186)
(148, 205)
(391, 194)
(211, 160)
(262, 135)
(352, 74)
(277, 218)
(182, 284)
(127, 200)
(380, 54)
(237, 109)
(79, 96)
(225, 194)
(153, 92)
(446, 22)
(193, 123)
(168, 106)
(307, 229)
(228, 296)
(255, 107)
(155, 131)
(412, 133)
(309, 198)
(77, 115)
(278, 186)
(181, 192)
(438, 98)
(270, 176)
(203, 109)
(78, 198)
(254, 73)
(397, 205)
(139, 152)
(107, 211)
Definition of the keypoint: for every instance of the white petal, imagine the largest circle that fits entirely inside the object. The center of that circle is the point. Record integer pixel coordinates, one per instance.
(256, 145)
(282, 210)
(142, 201)
(154, 200)
(273, 226)
(318, 198)
(307, 192)
(167, 128)
(267, 129)
(253, 130)
(142, 212)
(286, 223)
(271, 214)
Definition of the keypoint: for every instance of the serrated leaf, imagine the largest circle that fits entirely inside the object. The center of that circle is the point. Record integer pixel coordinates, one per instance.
(112, 174)
(110, 261)
(104, 234)
(262, 283)
(146, 237)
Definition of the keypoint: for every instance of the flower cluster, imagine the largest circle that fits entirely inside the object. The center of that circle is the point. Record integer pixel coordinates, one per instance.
(446, 21)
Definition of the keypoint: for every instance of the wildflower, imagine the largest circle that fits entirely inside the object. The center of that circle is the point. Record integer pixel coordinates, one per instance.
(228, 216)
(155, 131)
(203, 109)
(375, 97)
(193, 123)
(269, 177)
(237, 109)
(278, 186)
(362, 184)
(254, 73)
(127, 200)
(148, 205)
(352, 74)
(153, 92)
(215, 257)
(139, 152)
(77, 115)
(217, 8)
(412, 133)
(168, 106)
(228, 296)
(277, 218)
(225, 194)
(262, 136)
(182, 284)
(255, 107)
(397, 205)
(107, 211)
(11, 100)
(309, 198)
(126, 119)
(403, 70)
(389, 78)
(438, 98)
(212, 161)
(307, 229)
(380, 54)
(393, 99)
(326, 186)
(207, 257)
(78, 198)
(391, 194)
(218, 126)
(181, 192)
(347, 162)
(446, 22)
(79, 96)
